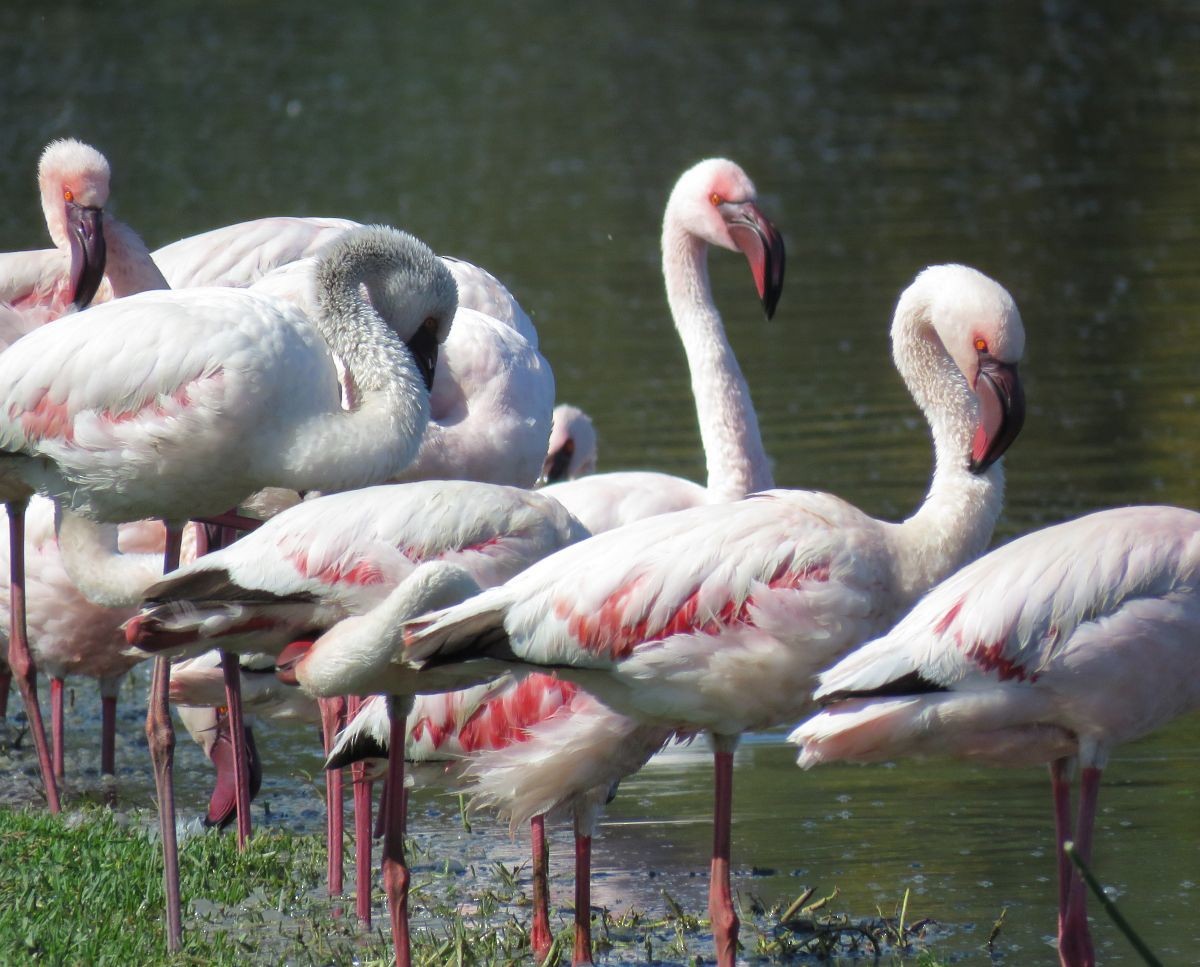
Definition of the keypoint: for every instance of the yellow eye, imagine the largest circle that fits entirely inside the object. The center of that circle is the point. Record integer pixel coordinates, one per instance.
(715, 198)
(981, 345)
(68, 195)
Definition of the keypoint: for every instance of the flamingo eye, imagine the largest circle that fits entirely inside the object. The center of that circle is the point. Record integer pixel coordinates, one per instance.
(715, 198)
(431, 324)
(981, 344)
(68, 195)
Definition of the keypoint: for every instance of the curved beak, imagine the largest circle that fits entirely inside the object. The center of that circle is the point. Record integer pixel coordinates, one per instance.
(222, 804)
(1001, 411)
(289, 658)
(555, 466)
(85, 230)
(424, 348)
(761, 243)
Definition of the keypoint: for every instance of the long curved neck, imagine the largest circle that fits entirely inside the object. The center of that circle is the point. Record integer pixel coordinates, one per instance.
(380, 435)
(103, 575)
(128, 266)
(954, 523)
(733, 448)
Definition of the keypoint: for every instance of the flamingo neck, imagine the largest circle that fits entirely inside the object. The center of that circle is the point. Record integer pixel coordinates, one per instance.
(733, 448)
(954, 523)
(103, 575)
(128, 266)
(379, 434)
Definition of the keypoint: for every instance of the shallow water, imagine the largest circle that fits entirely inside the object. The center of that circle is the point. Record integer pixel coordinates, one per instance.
(1052, 145)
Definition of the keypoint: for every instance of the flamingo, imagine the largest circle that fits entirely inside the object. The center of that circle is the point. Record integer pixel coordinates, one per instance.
(95, 255)
(713, 203)
(1054, 648)
(492, 395)
(325, 560)
(38, 287)
(719, 617)
(571, 453)
(220, 393)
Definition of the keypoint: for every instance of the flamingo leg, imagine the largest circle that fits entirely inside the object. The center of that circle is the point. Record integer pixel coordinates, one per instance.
(160, 734)
(720, 897)
(237, 733)
(332, 718)
(583, 899)
(1061, 788)
(395, 869)
(108, 735)
(19, 659)
(57, 724)
(5, 684)
(539, 937)
(362, 834)
(1075, 940)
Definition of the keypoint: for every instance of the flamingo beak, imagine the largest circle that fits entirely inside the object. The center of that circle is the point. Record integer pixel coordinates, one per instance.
(556, 464)
(289, 658)
(1001, 411)
(88, 252)
(424, 348)
(761, 243)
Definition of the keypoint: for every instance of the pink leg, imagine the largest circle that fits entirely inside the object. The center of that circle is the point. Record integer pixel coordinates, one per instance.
(19, 659)
(5, 683)
(160, 733)
(1061, 788)
(540, 938)
(1075, 941)
(56, 727)
(583, 899)
(395, 870)
(720, 897)
(332, 719)
(362, 833)
(237, 733)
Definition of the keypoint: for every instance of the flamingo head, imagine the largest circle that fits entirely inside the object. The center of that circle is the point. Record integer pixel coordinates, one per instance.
(74, 179)
(716, 201)
(288, 659)
(981, 329)
(572, 449)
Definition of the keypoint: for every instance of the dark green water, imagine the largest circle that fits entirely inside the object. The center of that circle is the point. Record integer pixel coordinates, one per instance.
(1055, 146)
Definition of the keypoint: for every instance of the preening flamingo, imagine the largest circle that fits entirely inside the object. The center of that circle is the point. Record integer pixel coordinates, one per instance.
(571, 452)
(713, 203)
(719, 617)
(492, 395)
(221, 392)
(1053, 648)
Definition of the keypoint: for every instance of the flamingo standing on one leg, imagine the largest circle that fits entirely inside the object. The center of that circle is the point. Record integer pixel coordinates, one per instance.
(713, 203)
(719, 617)
(220, 393)
(1053, 648)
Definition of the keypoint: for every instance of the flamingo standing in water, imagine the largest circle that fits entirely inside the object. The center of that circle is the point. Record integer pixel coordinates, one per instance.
(38, 287)
(713, 203)
(341, 555)
(719, 617)
(1054, 648)
(220, 393)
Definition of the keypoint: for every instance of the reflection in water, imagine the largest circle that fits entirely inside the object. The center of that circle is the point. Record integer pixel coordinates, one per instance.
(1052, 145)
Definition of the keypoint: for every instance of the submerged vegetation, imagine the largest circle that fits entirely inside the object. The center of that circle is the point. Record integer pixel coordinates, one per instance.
(86, 887)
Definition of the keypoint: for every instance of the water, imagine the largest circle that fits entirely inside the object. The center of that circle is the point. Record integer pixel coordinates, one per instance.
(1052, 145)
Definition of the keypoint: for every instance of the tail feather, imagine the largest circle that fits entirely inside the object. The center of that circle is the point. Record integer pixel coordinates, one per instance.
(366, 736)
(859, 731)
(472, 629)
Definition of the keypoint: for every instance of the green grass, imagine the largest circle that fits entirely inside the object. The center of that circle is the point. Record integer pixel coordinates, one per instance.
(86, 888)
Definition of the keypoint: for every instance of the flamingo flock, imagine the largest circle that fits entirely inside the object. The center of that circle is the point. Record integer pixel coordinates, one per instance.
(376, 417)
